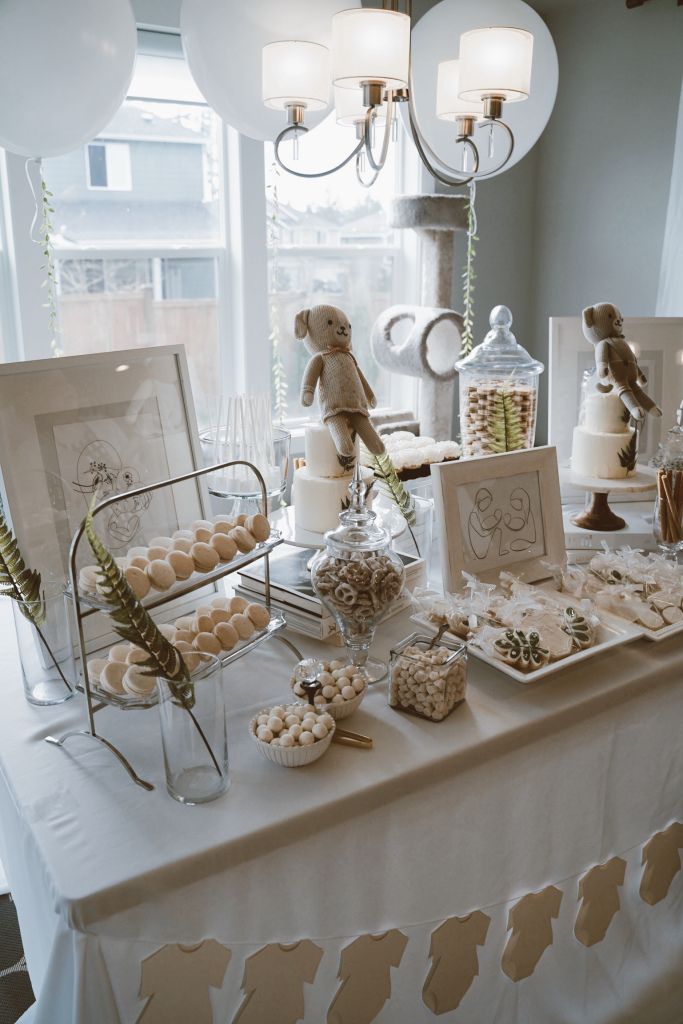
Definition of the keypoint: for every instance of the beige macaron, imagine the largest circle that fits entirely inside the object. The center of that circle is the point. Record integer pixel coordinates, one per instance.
(138, 562)
(220, 615)
(204, 556)
(220, 602)
(222, 525)
(161, 542)
(87, 578)
(259, 615)
(258, 527)
(168, 630)
(111, 676)
(184, 622)
(136, 655)
(95, 669)
(119, 652)
(224, 546)
(161, 574)
(138, 581)
(181, 563)
(241, 519)
(243, 539)
(236, 605)
(203, 534)
(154, 552)
(244, 626)
(202, 622)
(188, 654)
(137, 683)
(201, 524)
(183, 544)
(207, 643)
(227, 635)
(187, 635)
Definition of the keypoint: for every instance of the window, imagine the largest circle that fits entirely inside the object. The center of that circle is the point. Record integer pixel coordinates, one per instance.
(330, 241)
(108, 165)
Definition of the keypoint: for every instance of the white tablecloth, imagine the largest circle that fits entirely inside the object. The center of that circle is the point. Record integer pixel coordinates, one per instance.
(521, 787)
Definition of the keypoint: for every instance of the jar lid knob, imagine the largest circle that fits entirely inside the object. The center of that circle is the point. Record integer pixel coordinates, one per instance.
(500, 316)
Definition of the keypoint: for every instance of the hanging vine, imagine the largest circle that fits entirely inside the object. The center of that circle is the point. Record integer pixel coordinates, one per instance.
(45, 233)
(280, 386)
(469, 276)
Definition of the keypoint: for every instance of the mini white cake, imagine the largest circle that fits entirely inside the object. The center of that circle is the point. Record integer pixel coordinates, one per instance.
(603, 445)
(320, 489)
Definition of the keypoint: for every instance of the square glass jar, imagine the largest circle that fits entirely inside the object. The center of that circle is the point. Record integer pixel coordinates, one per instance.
(427, 679)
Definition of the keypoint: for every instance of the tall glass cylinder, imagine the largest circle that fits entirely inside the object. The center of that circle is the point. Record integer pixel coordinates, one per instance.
(194, 739)
(46, 650)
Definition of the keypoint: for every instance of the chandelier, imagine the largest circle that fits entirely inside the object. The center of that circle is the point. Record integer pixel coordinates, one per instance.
(369, 67)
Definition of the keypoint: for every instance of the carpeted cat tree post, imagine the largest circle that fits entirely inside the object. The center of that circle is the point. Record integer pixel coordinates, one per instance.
(432, 345)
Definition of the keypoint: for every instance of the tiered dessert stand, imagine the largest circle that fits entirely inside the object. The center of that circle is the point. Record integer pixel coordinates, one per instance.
(598, 515)
(86, 605)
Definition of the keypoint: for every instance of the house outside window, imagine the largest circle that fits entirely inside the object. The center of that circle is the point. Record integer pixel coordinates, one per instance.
(108, 166)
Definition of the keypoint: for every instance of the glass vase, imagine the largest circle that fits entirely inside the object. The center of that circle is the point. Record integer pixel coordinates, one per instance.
(45, 650)
(667, 523)
(194, 739)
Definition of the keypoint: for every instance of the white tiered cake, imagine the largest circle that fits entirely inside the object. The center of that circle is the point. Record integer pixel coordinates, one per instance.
(321, 488)
(604, 445)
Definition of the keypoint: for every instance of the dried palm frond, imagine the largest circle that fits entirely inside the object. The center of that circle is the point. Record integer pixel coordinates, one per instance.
(393, 488)
(16, 581)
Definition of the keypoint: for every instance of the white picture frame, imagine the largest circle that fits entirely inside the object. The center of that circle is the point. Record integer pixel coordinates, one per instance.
(499, 512)
(106, 420)
(658, 344)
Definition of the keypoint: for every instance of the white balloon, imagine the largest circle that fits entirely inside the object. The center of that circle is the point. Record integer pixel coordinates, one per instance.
(65, 68)
(436, 38)
(223, 41)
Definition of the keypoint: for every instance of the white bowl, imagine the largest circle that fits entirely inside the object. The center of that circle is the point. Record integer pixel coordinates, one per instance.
(290, 757)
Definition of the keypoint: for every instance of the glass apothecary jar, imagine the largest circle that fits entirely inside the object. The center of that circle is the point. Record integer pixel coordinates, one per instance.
(358, 577)
(498, 392)
(427, 679)
(667, 523)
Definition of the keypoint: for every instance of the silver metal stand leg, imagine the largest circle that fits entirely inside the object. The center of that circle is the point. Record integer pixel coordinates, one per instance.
(110, 747)
(288, 643)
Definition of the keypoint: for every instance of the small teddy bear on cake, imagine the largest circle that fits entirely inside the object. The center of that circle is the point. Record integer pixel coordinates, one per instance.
(344, 394)
(616, 364)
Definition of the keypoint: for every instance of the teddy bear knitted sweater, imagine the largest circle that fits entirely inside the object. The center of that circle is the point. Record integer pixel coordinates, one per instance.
(341, 384)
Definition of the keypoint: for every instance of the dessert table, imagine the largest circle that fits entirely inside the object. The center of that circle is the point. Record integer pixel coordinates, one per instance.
(522, 788)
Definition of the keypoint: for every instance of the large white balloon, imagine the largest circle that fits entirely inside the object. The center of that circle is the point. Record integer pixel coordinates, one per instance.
(223, 41)
(65, 68)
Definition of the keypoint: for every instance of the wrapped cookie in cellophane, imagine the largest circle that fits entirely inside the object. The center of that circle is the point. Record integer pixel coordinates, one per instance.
(462, 613)
(427, 679)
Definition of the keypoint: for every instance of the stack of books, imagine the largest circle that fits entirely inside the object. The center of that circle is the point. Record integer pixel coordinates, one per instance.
(291, 591)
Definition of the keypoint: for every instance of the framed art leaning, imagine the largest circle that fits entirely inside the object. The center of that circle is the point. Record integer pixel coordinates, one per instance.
(499, 512)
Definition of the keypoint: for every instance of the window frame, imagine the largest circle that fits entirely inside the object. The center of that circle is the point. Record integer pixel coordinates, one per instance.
(106, 145)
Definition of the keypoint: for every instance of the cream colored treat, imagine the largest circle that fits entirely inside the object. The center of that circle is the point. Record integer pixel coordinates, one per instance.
(241, 519)
(119, 652)
(161, 574)
(236, 605)
(183, 535)
(111, 676)
(95, 669)
(154, 553)
(271, 726)
(226, 634)
(183, 544)
(202, 622)
(222, 525)
(201, 524)
(136, 655)
(184, 622)
(220, 602)
(259, 615)
(244, 626)
(243, 539)
(204, 556)
(340, 685)
(87, 578)
(138, 562)
(224, 546)
(258, 527)
(207, 643)
(168, 631)
(186, 635)
(138, 581)
(189, 655)
(137, 683)
(220, 615)
(181, 563)
(319, 500)
(161, 542)
(203, 535)
(427, 682)
(482, 403)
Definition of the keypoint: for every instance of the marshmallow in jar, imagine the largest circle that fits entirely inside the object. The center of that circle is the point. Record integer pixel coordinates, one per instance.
(425, 680)
(497, 369)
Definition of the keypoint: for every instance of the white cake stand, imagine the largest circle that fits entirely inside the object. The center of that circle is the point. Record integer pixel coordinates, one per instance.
(598, 515)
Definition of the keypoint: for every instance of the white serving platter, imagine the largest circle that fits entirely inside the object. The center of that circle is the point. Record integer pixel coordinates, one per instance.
(647, 634)
(610, 633)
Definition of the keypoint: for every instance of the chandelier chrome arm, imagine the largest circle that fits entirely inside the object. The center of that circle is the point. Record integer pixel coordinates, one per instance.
(293, 129)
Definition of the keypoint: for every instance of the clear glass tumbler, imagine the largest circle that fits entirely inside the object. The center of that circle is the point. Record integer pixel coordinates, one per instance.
(46, 650)
(194, 739)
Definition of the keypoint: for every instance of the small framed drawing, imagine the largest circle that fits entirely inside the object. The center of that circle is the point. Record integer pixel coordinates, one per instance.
(658, 344)
(109, 421)
(499, 512)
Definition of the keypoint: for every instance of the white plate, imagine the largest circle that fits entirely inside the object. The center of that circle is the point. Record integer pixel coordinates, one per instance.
(610, 633)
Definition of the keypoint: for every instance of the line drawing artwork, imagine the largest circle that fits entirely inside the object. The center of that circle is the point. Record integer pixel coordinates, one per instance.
(100, 469)
(502, 519)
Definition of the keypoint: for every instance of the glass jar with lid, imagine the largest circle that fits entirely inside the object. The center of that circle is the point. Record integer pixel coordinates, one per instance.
(498, 392)
(428, 677)
(358, 577)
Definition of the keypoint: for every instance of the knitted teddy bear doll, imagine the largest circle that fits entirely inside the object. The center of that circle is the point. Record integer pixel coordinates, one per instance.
(617, 366)
(343, 391)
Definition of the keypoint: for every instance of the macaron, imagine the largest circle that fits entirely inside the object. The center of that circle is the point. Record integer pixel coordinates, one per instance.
(183, 535)
(226, 634)
(136, 655)
(181, 563)
(222, 525)
(220, 602)
(137, 683)
(119, 652)
(138, 562)
(184, 622)
(161, 542)
(207, 643)
(258, 527)
(138, 581)
(203, 534)
(259, 615)
(154, 552)
(244, 626)
(241, 519)
(167, 630)
(220, 615)
(243, 539)
(201, 524)
(188, 654)
(95, 669)
(111, 676)
(224, 546)
(87, 578)
(187, 635)
(202, 623)
(236, 605)
(204, 556)
(161, 574)
(183, 544)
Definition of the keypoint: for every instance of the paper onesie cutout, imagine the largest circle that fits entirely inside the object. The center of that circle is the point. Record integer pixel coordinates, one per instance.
(365, 973)
(598, 890)
(273, 981)
(176, 980)
(455, 963)
(662, 863)
(532, 931)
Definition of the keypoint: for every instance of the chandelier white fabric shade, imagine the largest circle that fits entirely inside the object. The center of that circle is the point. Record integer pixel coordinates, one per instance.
(449, 106)
(349, 108)
(296, 73)
(370, 45)
(496, 62)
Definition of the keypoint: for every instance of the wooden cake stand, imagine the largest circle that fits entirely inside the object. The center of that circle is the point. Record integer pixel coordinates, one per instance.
(598, 515)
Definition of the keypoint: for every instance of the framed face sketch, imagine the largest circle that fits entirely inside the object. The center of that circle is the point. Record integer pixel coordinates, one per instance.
(499, 512)
(658, 345)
